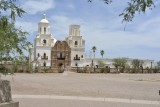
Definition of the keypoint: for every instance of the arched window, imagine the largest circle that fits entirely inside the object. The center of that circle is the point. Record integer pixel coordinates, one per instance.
(61, 55)
(44, 30)
(76, 43)
(44, 41)
(44, 64)
(81, 56)
(76, 56)
(44, 55)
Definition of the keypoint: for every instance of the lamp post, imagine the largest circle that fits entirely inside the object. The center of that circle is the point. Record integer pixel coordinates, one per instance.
(77, 66)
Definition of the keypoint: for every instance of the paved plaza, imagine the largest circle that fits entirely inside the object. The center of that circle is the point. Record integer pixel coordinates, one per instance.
(87, 90)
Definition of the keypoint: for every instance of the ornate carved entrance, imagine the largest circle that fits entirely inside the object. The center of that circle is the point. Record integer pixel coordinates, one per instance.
(61, 54)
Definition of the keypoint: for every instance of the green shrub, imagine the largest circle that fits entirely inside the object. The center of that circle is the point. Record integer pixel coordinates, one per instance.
(102, 70)
(82, 71)
(28, 68)
(4, 70)
(107, 69)
(133, 70)
(156, 70)
(15, 68)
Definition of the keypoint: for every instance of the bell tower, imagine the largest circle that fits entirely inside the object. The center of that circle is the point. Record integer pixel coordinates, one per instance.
(43, 43)
(76, 43)
(44, 26)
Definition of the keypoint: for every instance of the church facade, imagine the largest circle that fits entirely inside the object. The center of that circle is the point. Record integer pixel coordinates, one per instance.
(61, 54)
(49, 52)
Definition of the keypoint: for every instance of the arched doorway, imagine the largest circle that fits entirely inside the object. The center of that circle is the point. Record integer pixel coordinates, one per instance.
(60, 68)
(60, 64)
(44, 64)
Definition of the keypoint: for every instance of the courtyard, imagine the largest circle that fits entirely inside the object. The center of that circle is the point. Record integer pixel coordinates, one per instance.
(120, 90)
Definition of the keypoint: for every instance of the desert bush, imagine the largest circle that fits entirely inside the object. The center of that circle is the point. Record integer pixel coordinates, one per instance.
(4, 70)
(121, 70)
(127, 69)
(148, 70)
(107, 69)
(82, 71)
(60, 70)
(28, 68)
(155, 70)
(15, 68)
(102, 70)
(133, 70)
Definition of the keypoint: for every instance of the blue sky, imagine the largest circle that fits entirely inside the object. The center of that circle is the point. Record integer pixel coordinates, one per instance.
(100, 26)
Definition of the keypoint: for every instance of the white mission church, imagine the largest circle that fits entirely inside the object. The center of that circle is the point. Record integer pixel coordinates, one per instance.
(49, 52)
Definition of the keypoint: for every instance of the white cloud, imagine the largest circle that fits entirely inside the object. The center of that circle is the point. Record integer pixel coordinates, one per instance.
(109, 34)
(61, 24)
(27, 26)
(35, 6)
(150, 25)
(111, 37)
(71, 6)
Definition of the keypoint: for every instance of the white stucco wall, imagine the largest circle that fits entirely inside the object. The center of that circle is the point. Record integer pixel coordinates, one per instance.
(109, 62)
(41, 51)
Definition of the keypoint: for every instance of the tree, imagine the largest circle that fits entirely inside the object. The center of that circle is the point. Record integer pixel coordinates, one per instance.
(94, 50)
(136, 64)
(20, 64)
(13, 40)
(9, 6)
(134, 6)
(102, 53)
(120, 63)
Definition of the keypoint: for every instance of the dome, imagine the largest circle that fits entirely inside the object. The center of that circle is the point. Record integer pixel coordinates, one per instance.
(44, 20)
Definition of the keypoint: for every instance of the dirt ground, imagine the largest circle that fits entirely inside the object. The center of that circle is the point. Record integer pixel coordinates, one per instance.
(131, 86)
